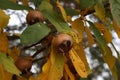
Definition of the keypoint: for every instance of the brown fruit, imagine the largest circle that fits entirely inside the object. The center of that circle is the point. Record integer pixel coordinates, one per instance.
(62, 43)
(34, 16)
(23, 63)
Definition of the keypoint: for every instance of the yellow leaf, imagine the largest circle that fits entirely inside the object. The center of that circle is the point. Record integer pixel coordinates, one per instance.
(4, 19)
(57, 65)
(78, 63)
(114, 73)
(46, 66)
(25, 2)
(80, 52)
(109, 58)
(45, 71)
(53, 68)
(32, 78)
(4, 75)
(100, 10)
(62, 10)
(116, 28)
(69, 19)
(78, 26)
(14, 53)
(106, 33)
(71, 76)
(90, 38)
(3, 42)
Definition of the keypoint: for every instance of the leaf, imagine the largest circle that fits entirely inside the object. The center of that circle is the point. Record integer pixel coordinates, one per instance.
(53, 68)
(3, 42)
(14, 1)
(98, 37)
(84, 4)
(14, 53)
(69, 73)
(78, 26)
(34, 33)
(4, 19)
(71, 12)
(25, 2)
(78, 63)
(32, 78)
(109, 58)
(116, 28)
(4, 75)
(7, 4)
(53, 17)
(62, 10)
(106, 33)
(115, 10)
(90, 38)
(43, 6)
(45, 71)
(8, 64)
(37, 2)
(57, 65)
(100, 10)
(86, 11)
(81, 53)
(84, 79)
(114, 73)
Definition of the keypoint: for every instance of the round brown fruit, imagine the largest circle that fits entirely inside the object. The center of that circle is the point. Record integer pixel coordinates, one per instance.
(62, 43)
(23, 63)
(34, 16)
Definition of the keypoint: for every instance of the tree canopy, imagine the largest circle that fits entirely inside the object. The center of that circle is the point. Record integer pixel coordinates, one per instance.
(55, 37)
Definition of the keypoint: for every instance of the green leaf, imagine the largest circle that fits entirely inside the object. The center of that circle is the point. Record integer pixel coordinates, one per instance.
(98, 37)
(71, 11)
(53, 17)
(7, 4)
(34, 33)
(84, 79)
(84, 4)
(115, 10)
(37, 2)
(8, 64)
(45, 5)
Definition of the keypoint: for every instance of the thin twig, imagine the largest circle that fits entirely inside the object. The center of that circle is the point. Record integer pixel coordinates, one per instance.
(39, 59)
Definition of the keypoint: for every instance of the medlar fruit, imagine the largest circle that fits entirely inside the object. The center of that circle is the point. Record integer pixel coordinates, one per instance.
(34, 16)
(62, 43)
(23, 63)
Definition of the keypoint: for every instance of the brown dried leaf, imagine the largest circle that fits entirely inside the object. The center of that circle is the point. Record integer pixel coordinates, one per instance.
(3, 42)
(4, 19)
(14, 53)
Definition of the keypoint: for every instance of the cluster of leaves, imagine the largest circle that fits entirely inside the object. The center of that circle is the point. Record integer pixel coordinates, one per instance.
(64, 44)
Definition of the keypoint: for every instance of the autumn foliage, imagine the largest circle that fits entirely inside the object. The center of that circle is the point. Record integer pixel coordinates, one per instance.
(52, 31)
